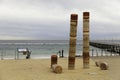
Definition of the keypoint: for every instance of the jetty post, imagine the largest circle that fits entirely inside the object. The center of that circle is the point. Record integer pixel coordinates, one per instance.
(54, 60)
(72, 41)
(86, 55)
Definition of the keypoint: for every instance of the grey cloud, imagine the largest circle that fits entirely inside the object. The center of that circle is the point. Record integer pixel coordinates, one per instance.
(49, 19)
(36, 30)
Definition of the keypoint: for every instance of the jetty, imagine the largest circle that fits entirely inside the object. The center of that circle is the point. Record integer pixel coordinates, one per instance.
(113, 48)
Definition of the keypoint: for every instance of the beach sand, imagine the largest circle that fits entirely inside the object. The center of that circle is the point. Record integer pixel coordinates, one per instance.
(114, 66)
(39, 69)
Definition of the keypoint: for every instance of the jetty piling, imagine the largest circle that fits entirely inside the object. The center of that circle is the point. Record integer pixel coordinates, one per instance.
(86, 40)
(57, 68)
(54, 60)
(72, 41)
(107, 47)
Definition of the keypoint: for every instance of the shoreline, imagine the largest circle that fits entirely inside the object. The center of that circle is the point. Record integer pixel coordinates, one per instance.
(48, 57)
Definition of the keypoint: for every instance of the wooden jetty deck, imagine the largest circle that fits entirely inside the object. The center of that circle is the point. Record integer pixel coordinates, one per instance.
(110, 47)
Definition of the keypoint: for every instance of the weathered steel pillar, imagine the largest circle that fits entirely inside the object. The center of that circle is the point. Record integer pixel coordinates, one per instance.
(54, 59)
(72, 42)
(86, 40)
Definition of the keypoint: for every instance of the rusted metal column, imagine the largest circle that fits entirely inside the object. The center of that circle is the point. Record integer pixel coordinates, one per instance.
(53, 60)
(72, 42)
(86, 40)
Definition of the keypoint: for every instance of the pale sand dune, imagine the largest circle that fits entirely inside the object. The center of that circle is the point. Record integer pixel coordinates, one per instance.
(40, 70)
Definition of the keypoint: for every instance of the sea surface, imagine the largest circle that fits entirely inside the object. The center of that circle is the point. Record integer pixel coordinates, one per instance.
(39, 48)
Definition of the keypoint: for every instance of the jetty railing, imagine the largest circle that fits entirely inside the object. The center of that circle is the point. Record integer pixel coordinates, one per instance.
(10, 54)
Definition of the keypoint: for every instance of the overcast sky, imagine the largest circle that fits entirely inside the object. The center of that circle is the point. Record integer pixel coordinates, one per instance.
(50, 19)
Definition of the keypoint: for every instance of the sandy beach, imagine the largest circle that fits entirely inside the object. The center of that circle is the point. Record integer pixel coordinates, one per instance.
(114, 66)
(39, 69)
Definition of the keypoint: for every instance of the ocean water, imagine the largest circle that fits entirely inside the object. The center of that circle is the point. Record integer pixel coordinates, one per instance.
(38, 48)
